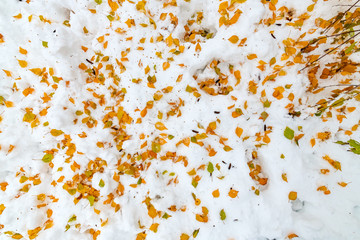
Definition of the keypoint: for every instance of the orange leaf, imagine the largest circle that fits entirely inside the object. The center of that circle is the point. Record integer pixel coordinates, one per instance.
(160, 126)
(216, 193)
(292, 196)
(22, 51)
(251, 56)
(235, 18)
(36, 71)
(56, 133)
(154, 227)
(166, 65)
(8, 73)
(2, 208)
(292, 235)
(23, 63)
(238, 131)
(113, 5)
(152, 211)
(312, 142)
(234, 39)
(233, 193)
(343, 184)
(184, 237)
(28, 91)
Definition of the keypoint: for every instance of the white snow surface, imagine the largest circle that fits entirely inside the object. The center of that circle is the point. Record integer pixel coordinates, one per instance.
(269, 215)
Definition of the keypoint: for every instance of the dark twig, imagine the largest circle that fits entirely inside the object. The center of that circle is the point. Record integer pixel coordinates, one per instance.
(328, 36)
(327, 53)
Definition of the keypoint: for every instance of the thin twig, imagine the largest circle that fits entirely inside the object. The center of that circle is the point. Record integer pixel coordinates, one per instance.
(345, 5)
(335, 35)
(341, 85)
(334, 99)
(332, 50)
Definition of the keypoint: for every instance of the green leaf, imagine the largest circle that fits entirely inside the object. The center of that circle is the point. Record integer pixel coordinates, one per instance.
(91, 200)
(156, 147)
(47, 158)
(338, 102)
(67, 227)
(210, 168)
(341, 143)
(166, 216)
(194, 183)
(267, 104)
(355, 150)
(195, 233)
(45, 44)
(264, 115)
(289, 133)
(73, 218)
(222, 214)
(111, 18)
(354, 144)
(139, 181)
(350, 48)
(101, 183)
(98, 1)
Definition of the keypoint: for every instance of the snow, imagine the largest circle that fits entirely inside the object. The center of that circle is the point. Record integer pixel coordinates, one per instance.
(269, 215)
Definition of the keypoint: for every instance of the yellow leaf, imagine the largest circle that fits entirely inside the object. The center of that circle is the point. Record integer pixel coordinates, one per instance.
(48, 224)
(28, 91)
(23, 63)
(22, 51)
(235, 18)
(17, 236)
(335, 164)
(152, 211)
(166, 65)
(239, 131)
(154, 227)
(19, 16)
(8, 73)
(343, 184)
(234, 39)
(113, 5)
(9, 104)
(311, 7)
(71, 150)
(56, 133)
(34, 233)
(184, 236)
(2, 208)
(227, 148)
(251, 56)
(29, 117)
(312, 142)
(141, 236)
(36, 71)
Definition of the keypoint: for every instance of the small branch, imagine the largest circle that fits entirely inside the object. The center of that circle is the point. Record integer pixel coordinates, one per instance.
(319, 38)
(345, 5)
(333, 100)
(342, 85)
(332, 50)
